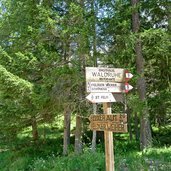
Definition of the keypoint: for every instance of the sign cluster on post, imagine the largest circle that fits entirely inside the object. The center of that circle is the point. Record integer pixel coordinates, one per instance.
(107, 85)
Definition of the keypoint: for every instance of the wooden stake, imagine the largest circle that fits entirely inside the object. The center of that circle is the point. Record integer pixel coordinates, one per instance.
(108, 135)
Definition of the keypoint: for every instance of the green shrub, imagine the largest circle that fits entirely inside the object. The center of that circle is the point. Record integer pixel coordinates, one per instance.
(87, 161)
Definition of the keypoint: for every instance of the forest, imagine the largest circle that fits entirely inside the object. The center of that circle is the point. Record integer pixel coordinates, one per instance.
(45, 47)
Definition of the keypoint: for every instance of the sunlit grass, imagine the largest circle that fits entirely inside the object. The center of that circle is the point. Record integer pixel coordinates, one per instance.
(47, 155)
(130, 159)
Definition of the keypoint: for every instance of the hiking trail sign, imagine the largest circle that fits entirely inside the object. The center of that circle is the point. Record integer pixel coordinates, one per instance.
(109, 122)
(95, 74)
(100, 97)
(109, 126)
(107, 85)
(115, 118)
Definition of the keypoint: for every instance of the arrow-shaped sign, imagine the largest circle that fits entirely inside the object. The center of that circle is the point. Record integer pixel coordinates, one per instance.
(111, 87)
(100, 97)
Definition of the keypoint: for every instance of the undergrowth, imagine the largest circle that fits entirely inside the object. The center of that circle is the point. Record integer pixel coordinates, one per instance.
(127, 157)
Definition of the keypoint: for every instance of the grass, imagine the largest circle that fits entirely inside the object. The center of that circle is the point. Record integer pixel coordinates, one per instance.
(23, 155)
(47, 157)
(156, 159)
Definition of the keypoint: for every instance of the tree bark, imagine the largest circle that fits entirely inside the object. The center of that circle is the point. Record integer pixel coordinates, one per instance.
(34, 130)
(136, 127)
(127, 110)
(93, 7)
(93, 147)
(145, 131)
(78, 133)
(94, 11)
(67, 123)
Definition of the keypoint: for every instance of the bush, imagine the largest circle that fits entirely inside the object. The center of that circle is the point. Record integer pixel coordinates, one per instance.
(87, 161)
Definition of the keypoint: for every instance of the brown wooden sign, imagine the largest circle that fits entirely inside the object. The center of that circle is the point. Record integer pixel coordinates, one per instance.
(114, 118)
(108, 126)
(109, 122)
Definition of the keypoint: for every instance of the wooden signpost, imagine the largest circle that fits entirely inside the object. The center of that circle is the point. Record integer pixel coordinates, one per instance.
(102, 83)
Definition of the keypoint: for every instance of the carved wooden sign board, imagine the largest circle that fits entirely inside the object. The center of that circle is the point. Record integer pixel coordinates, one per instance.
(109, 122)
(109, 117)
(109, 126)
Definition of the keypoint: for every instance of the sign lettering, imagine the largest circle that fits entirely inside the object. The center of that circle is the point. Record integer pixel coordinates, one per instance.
(108, 87)
(108, 126)
(107, 74)
(121, 118)
(100, 97)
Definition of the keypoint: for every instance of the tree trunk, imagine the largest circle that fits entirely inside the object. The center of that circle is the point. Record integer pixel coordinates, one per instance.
(94, 11)
(94, 132)
(34, 130)
(127, 110)
(136, 127)
(129, 124)
(93, 7)
(78, 133)
(145, 131)
(82, 53)
(67, 123)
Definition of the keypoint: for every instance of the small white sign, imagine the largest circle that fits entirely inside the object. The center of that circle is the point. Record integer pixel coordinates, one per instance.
(100, 97)
(108, 87)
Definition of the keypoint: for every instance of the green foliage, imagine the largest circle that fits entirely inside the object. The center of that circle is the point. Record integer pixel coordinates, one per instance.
(87, 161)
(151, 159)
(134, 99)
(13, 85)
(162, 135)
(44, 48)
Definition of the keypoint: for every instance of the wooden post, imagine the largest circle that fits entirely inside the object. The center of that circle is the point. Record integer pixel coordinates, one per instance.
(108, 135)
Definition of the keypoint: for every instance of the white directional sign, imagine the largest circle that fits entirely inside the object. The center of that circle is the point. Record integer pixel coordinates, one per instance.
(108, 87)
(95, 74)
(101, 97)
